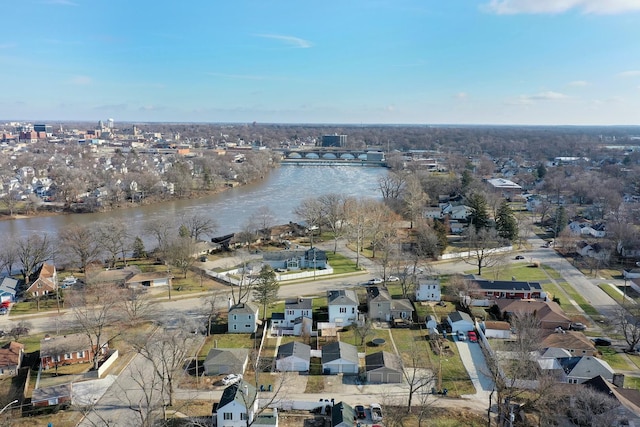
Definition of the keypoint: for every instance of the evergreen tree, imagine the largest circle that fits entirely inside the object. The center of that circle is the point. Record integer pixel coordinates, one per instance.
(465, 180)
(441, 231)
(480, 211)
(265, 290)
(183, 231)
(560, 220)
(506, 224)
(541, 171)
(138, 248)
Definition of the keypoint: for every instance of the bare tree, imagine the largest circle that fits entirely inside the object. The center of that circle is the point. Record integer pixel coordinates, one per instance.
(211, 310)
(334, 215)
(199, 225)
(391, 186)
(263, 220)
(414, 199)
(592, 408)
(418, 379)
(80, 243)
(483, 245)
(96, 314)
(136, 305)
(114, 240)
(180, 253)
(8, 256)
(362, 330)
(240, 292)
(628, 321)
(32, 251)
(310, 211)
(161, 229)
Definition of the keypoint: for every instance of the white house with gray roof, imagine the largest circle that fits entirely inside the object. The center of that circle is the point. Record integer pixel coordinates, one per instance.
(238, 407)
(243, 318)
(293, 357)
(460, 321)
(339, 358)
(581, 369)
(343, 307)
(222, 361)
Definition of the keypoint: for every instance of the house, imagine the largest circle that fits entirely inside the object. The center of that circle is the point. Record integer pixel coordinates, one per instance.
(548, 313)
(222, 361)
(583, 227)
(50, 396)
(496, 329)
(11, 358)
(431, 322)
(45, 283)
(116, 276)
(339, 358)
(505, 187)
(593, 250)
(243, 318)
(343, 307)
(293, 357)
(68, 349)
(238, 407)
(633, 273)
(343, 415)
(428, 290)
(460, 321)
(151, 279)
(383, 368)
(582, 369)
(513, 289)
(628, 398)
(383, 307)
(8, 289)
(574, 342)
(297, 317)
(296, 260)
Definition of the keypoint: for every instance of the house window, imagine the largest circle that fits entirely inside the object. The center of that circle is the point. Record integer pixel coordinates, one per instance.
(247, 326)
(289, 312)
(243, 416)
(228, 416)
(235, 327)
(353, 310)
(56, 358)
(235, 317)
(343, 309)
(67, 356)
(81, 355)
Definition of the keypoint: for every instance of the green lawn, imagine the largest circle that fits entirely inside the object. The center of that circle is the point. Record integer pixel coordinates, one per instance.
(632, 382)
(555, 292)
(30, 307)
(573, 294)
(523, 272)
(227, 341)
(368, 348)
(613, 293)
(617, 360)
(341, 264)
(552, 273)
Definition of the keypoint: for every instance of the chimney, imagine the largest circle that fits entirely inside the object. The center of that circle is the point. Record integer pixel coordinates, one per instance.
(229, 304)
(245, 389)
(618, 380)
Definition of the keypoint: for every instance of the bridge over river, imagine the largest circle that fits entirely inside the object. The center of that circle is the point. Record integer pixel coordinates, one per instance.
(332, 156)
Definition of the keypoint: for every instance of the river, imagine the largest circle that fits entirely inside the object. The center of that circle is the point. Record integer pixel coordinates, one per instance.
(281, 191)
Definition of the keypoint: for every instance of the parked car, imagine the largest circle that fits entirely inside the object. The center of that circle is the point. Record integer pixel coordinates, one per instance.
(461, 336)
(603, 342)
(3, 310)
(393, 279)
(473, 337)
(376, 412)
(375, 281)
(231, 379)
(577, 326)
(360, 412)
(519, 257)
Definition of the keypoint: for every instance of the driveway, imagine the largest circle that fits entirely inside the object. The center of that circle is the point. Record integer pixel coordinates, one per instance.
(476, 366)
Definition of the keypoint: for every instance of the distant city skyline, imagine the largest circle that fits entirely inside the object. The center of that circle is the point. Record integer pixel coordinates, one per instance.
(503, 62)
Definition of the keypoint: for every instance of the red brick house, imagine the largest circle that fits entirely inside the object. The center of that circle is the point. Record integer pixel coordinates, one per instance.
(496, 289)
(11, 358)
(46, 282)
(67, 350)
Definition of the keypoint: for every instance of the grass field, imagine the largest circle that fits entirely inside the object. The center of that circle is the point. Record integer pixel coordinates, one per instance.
(573, 294)
(226, 341)
(617, 360)
(613, 293)
(522, 271)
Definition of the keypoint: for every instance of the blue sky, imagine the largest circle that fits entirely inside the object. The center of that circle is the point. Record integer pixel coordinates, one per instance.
(334, 61)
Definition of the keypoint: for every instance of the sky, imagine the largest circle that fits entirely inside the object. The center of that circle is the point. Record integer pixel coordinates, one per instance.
(534, 62)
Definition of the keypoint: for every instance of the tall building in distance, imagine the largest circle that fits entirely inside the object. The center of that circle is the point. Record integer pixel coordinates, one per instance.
(47, 129)
(334, 140)
(110, 123)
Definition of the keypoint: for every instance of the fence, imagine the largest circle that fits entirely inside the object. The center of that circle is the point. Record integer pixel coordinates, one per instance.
(466, 254)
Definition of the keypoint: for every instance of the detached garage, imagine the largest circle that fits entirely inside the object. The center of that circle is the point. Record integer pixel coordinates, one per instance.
(383, 368)
(460, 321)
(339, 358)
(222, 361)
(293, 357)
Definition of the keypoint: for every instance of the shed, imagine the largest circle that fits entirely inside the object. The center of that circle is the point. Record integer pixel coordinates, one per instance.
(431, 322)
(222, 361)
(293, 357)
(343, 415)
(339, 358)
(495, 329)
(383, 368)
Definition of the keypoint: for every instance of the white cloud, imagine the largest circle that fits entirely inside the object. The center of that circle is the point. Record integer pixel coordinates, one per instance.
(630, 73)
(81, 80)
(542, 96)
(461, 95)
(288, 40)
(512, 7)
(579, 83)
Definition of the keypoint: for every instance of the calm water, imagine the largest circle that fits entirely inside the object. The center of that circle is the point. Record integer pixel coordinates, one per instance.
(281, 191)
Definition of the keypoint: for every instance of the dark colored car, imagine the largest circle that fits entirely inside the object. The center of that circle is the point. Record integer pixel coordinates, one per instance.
(603, 342)
(578, 326)
(360, 411)
(519, 257)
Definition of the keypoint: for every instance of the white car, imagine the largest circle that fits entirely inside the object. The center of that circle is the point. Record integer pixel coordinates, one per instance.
(376, 412)
(461, 336)
(393, 279)
(375, 281)
(231, 379)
